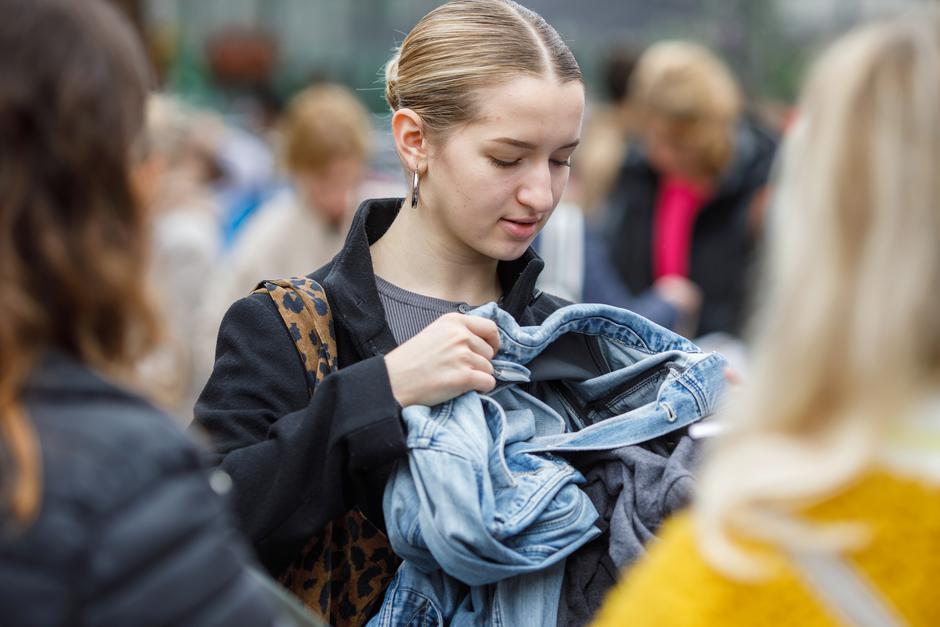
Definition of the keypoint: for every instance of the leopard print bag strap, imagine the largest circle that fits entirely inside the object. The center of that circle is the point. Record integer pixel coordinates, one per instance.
(342, 572)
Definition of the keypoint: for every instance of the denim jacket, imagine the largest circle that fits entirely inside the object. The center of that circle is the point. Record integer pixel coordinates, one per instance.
(486, 499)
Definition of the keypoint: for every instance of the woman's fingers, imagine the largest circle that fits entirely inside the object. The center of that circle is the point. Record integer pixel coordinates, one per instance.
(484, 329)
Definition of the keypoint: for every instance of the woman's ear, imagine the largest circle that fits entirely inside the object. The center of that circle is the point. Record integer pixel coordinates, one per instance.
(410, 139)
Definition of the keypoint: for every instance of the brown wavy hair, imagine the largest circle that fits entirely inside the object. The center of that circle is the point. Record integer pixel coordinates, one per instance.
(73, 84)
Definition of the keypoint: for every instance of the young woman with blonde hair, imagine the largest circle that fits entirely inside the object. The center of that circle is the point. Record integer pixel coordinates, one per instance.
(486, 103)
(822, 501)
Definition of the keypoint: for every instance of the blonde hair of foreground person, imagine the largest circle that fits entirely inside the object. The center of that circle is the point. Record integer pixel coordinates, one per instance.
(822, 453)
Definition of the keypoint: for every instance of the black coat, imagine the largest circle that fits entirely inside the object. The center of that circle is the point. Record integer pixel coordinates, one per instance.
(723, 238)
(129, 531)
(298, 462)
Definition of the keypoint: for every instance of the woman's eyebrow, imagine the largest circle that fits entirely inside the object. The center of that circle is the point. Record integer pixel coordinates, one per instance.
(518, 143)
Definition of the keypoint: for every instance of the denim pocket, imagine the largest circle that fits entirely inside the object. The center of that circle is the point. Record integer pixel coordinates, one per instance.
(407, 607)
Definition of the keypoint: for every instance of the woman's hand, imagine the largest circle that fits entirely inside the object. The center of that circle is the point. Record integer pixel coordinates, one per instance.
(686, 297)
(449, 357)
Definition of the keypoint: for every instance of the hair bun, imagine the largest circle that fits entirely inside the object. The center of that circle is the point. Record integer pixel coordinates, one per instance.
(391, 82)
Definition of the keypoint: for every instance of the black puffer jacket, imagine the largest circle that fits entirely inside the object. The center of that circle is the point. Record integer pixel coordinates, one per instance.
(130, 531)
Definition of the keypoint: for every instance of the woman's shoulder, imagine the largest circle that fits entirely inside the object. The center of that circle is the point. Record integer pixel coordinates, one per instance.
(127, 512)
(104, 451)
(900, 514)
(100, 443)
(675, 585)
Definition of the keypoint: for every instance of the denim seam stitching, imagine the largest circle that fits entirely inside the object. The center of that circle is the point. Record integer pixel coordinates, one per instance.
(544, 491)
(427, 601)
(620, 397)
(564, 328)
(440, 447)
(688, 381)
(556, 524)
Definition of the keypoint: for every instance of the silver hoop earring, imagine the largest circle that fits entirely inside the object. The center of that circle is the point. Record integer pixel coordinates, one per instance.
(414, 189)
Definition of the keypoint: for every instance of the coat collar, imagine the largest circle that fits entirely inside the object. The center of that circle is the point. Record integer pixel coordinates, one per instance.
(59, 375)
(350, 279)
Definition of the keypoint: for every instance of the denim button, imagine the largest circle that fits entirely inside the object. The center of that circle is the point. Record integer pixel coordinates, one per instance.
(463, 308)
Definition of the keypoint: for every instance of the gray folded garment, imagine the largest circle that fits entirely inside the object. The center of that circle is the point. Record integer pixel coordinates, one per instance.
(634, 489)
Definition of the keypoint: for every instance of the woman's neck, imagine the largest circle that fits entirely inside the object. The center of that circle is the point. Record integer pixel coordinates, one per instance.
(416, 256)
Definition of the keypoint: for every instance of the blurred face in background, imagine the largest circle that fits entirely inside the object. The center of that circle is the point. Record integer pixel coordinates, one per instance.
(688, 103)
(491, 184)
(326, 139)
(685, 150)
(330, 192)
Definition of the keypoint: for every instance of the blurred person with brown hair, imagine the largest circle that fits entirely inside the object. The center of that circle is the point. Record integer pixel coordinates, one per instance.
(820, 503)
(681, 215)
(325, 141)
(106, 514)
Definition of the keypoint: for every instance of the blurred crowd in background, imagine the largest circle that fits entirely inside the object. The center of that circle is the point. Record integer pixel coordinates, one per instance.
(799, 241)
(246, 181)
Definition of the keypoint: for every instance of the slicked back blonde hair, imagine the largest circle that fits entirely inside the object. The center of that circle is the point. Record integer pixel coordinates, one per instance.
(847, 338)
(465, 45)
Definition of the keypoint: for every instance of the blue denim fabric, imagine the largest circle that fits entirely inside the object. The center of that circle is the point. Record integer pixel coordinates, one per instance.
(435, 599)
(484, 500)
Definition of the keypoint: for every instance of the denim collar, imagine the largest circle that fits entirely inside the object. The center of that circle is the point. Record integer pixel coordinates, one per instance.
(350, 279)
(690, 391)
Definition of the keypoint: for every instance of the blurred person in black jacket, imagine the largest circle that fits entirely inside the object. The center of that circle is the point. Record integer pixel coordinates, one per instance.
(106, 514)
(685, 210)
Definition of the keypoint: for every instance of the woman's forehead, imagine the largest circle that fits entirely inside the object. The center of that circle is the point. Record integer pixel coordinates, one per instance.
(530, 109)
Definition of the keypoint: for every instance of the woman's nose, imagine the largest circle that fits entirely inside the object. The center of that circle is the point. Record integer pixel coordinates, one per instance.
(536, 191)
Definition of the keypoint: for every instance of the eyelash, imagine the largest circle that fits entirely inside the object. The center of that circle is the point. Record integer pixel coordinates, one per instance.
(508, 164)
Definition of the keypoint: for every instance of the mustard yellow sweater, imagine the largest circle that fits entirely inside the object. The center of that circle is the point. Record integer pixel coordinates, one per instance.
(674, 586)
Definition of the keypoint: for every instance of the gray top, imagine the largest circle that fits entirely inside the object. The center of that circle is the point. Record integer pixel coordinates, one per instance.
(408, 313)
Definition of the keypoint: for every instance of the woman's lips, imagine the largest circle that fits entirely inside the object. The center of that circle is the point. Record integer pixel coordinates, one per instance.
(521, 230)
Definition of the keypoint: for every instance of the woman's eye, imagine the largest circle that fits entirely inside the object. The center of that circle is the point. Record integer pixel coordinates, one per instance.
(503, 164)
(562, 162)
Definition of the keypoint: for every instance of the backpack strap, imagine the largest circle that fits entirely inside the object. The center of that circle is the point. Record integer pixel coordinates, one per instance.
(303, 306)
(841, 589)
(342, 572)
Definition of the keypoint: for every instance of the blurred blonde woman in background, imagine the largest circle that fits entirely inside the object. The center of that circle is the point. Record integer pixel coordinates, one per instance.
(680, 215)
(823, 499)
